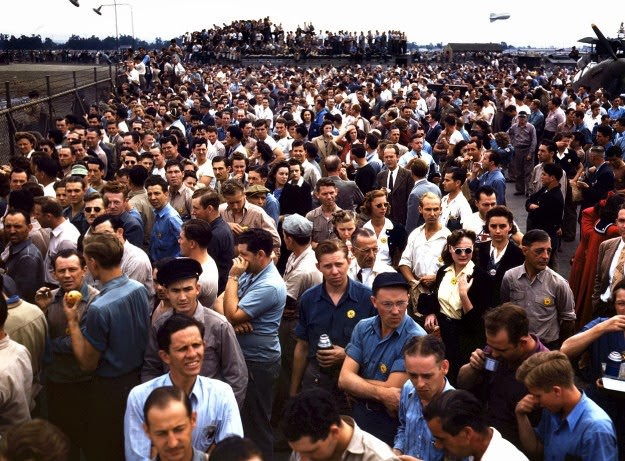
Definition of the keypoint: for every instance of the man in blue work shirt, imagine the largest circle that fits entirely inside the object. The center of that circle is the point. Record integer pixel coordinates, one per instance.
(572, 426)
(374, 371)
(167, 221)
(426, 366)
(333, 307)
(253, 302)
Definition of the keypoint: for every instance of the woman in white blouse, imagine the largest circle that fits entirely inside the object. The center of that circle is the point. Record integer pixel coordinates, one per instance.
(461, 295)
(391, 235)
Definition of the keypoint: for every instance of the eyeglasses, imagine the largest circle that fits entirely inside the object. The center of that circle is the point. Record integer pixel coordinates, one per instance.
(89, 209)
(401, 305)
(129, 162)
(382, 205)
(466, 251)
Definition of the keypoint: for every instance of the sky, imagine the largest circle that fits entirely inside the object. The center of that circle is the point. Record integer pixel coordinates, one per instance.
(535, 23)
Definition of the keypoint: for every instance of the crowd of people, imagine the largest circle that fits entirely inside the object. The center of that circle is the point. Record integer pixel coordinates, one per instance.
(317, 258)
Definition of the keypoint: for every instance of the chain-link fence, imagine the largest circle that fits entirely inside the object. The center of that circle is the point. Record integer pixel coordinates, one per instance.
(31, 103)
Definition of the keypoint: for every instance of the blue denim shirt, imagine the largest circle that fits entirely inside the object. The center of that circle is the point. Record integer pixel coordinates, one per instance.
(165, 233)
(413, 434)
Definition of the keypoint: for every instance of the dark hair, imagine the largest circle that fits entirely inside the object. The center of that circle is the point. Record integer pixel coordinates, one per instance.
(116, 222)
(457, 174)
(425, 346)
(157, 180)
(172, 325)
(310, 413)
(47, 166)
(68, 253)
(207, 197)
(456, 410)
(50, 205)
(452, 240)
(137, 175)
(550, 145)
(484, 190)
(609, 211)
(553, 169)
(501, 211)
(13, 212)
(509, 317)
(235, 448)
(21, 200)
(533, 236)
(160, 398)
(256, 240)
(199, 231)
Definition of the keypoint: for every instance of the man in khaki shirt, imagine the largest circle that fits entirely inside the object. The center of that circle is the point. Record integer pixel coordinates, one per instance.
(315, 430)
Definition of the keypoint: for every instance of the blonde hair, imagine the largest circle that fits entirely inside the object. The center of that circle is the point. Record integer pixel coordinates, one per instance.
(544, 370)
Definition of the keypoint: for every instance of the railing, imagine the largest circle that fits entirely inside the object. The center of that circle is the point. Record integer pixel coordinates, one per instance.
(60, 93)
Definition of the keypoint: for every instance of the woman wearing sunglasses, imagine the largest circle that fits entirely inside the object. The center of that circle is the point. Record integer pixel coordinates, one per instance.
(461, 295)
(391, 235)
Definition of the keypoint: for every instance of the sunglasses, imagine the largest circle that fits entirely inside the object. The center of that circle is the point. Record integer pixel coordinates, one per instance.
(382, 205)
(89, 209)
(130, 163)
(466, 251)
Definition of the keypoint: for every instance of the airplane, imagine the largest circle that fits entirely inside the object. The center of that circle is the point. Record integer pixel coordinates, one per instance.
(497, 16)
(608, 74)
(74, 2)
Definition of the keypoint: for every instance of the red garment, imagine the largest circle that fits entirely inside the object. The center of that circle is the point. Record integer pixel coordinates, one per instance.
(584, 267)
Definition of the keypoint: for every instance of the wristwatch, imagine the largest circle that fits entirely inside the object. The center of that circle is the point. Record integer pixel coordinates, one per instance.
(234, 277)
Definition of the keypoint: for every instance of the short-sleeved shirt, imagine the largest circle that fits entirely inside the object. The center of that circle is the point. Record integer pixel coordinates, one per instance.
(319, 315)
(378, 357)
(262, 296)
(548, 300)
(301, 273)
(116, 325)
(586, 433)
(423, 256)
(213, 401)
(601, 348)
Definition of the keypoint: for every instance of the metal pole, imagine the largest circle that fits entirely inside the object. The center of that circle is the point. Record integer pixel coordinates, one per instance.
(132, 24)
(48, 89)
(7, 91)
(116, 30)
(95, 81)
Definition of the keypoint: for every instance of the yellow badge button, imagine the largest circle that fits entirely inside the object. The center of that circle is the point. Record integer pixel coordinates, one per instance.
(383, 240)
(351, 314)
(547, 302)
(383, 368)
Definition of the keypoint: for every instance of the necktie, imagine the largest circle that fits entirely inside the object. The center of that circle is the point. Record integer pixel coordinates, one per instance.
(390, 180)
(359, 275)
(618, 271)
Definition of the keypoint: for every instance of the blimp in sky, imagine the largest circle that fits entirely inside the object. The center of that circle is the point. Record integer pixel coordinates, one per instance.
(497, 16)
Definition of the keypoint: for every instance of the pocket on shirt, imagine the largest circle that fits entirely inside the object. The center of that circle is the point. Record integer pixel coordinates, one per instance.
(544, 307)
